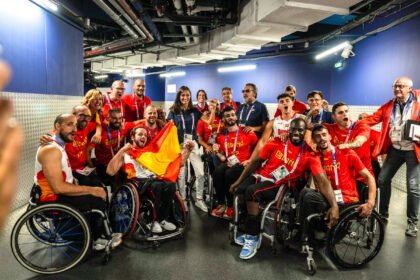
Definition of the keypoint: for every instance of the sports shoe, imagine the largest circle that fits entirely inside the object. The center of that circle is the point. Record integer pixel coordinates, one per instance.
(167, 225)
(384, 217)
(228, 214)
(201, 205)
(240, 240)
(100, 243)
(219, 210)
(156, 228)
(250, 247)
(411, 229)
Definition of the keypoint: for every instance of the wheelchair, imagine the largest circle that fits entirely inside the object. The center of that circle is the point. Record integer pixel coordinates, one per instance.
(351, 243)
(133, 212)
(50, 238)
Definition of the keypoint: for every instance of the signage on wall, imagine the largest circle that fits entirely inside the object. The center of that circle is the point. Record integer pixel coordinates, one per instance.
(171, 88)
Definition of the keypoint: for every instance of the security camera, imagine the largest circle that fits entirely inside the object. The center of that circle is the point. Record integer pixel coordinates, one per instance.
(347, 52)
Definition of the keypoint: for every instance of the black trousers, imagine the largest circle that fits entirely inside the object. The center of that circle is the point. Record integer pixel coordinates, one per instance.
(162, 193)
(223, 177)
(91, 180)
(85, 203)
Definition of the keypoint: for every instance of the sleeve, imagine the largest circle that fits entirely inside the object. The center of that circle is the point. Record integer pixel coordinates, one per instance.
(200, 128)
(315, 165)
(147, 100)
(171, 116)
(253, 139)
(91, 126)
(363, 130)
(264, 113)
(267, 150)
(376, 117)
(128, 126)
(354, 161)
(221, 141)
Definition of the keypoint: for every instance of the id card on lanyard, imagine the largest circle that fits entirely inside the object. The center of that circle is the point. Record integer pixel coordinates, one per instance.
(337, 192)
(212, 139)
(110, 142)
(247, 116)
(108, 100)
(233, 160)
(281, 172)
(187, 136)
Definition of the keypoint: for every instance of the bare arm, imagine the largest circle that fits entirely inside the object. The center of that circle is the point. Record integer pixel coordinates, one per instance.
(186, 151)
(117, 161)
(50, 159)
(263, 140)
(357, 142)
(366, 208)
(326, 190)
(98, 134)
(249, 169)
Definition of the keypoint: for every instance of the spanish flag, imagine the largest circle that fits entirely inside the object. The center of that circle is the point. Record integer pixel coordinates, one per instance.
(162, 155)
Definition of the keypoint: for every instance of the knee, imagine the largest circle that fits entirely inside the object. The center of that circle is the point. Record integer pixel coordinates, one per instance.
(250, 193)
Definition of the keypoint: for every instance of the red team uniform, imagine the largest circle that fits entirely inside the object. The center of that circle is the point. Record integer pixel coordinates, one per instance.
(244, 144)
(76, 151)
(135, 106)
(109, 104)
(205, 130)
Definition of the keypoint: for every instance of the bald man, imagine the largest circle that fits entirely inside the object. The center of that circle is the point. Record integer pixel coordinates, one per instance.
(137, 102)
(113, 99)
(394, 115)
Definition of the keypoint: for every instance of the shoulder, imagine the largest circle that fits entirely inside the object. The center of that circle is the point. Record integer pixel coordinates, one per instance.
(49, 152)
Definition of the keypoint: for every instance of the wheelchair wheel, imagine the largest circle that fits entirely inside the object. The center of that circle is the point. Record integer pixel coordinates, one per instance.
(355, 240)
(50, 239)
(124, 209)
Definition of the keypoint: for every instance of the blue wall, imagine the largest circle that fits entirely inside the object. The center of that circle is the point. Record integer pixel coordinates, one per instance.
(45, 53)
(155, 85)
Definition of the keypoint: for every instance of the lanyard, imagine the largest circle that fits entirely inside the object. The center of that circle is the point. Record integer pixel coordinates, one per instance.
(218, 128)
(297, 159)
(108, 99)
(247, 116)
(154, 132)
(59, 141)
(349, 132)
(183, 122)
(110, 143)
(320, 116)
(334, 157)
(405, 111)
(137, 108)
(234, 145)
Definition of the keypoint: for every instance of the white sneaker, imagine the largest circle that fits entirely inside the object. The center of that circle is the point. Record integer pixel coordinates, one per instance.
(167, 225)
(156, 228)
(201, 205)
(99, 244)
(116, 239)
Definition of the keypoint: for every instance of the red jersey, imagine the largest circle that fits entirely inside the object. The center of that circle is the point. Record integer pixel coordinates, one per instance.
(205, 130)
(298, 107)
(348, 163)
(111, 142)
(233, 104)
(76, 151)
(339, 136)
(299, 160)
(109, 104)
(244, 144)
(151, 133)
(202, 109)
(135, 106)
(373, 142)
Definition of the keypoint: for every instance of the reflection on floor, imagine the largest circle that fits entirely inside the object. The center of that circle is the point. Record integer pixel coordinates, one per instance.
(205, 253)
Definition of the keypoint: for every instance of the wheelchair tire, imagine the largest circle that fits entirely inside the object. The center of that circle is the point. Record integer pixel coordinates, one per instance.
(61, 242)
(355, 240)
(124, 209)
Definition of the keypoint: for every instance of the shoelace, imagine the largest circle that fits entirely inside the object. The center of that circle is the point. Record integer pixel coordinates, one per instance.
(249, 244)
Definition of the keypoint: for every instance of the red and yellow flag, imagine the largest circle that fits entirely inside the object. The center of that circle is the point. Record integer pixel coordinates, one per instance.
(162, 155)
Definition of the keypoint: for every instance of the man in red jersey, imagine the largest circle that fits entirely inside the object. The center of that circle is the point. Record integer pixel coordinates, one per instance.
(228, 100)
(233, 148)
(113, 99)
(298, 106)
(286, 163)
(137, 102)
(151, 122)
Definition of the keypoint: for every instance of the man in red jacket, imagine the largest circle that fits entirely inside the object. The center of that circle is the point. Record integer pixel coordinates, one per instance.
(393, 115)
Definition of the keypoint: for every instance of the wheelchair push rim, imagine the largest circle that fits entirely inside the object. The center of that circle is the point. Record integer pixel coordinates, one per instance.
(356, 240)
(61, 240)
(124, 209)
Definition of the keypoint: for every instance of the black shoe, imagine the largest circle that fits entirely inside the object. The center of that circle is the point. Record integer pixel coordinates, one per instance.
(384, 217)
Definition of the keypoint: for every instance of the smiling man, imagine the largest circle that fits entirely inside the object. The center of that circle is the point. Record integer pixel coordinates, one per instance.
(285, 163)
(113, 99)
(137, 102)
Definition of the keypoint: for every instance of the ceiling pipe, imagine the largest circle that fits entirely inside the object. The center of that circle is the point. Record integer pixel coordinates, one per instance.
(179, 11)
(194, 28)
(116, 18)
(146, 19)
(128, 19)
(129, 11)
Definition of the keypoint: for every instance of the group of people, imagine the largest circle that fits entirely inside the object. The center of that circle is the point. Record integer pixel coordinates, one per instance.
(250, 155)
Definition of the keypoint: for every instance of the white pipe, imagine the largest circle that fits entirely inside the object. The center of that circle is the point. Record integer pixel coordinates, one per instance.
(178, 7)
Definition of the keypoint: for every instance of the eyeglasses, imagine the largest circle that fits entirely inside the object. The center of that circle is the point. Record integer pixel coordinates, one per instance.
(246, 90)
(399, 86)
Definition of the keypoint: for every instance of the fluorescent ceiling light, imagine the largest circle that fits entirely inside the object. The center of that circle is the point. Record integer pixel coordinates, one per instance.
(99, 77)
(237, 68)
(172, 74)
(47, 4)
(133, 74)
(332, 50)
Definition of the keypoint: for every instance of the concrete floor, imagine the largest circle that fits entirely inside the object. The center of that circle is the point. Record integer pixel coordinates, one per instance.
(205, 253)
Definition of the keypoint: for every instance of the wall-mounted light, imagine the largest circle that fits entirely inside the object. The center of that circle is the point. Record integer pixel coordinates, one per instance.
(172, 74)
(47, 4)
(237, 68)
(333, 50)
(347, 52)
(100, 77)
